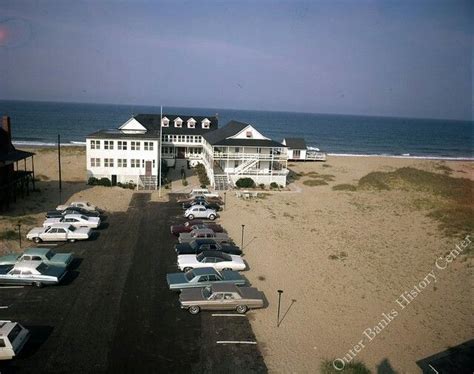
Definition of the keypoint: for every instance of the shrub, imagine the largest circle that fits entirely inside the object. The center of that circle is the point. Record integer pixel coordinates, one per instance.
(314, 182)
(9, 235)
(245, 183)
(262, 186)
(185, 182)
(105, 182)
(274, 185)
(93, 181)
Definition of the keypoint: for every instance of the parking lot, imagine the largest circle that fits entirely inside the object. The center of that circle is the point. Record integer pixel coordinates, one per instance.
(114, 312)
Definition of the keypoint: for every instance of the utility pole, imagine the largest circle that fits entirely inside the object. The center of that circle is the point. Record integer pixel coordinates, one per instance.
(59, 167)
(159, 151)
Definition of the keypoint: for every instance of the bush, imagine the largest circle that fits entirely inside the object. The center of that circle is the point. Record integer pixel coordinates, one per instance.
(185, 182)
(245, 183)
(274, 185)
(9, 235)
(104, 182)
(93, 181)
(262, 186)
(202, 175)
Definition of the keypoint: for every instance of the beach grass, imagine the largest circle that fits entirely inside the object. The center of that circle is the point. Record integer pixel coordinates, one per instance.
(8, 235)
(315, 182)
(344, 187)
(350, 368)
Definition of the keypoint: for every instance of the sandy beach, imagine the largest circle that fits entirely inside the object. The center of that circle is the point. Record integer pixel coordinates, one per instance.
(342, 257)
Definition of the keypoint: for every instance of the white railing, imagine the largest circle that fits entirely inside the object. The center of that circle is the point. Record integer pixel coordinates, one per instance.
(317, 156)
(249, 156)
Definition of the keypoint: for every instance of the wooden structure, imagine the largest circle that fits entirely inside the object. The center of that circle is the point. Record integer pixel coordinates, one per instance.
(15, 177)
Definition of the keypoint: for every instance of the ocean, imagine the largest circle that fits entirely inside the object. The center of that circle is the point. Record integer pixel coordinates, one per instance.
(39, 123)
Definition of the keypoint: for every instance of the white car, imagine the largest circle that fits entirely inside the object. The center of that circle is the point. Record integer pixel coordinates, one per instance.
(76, 220)
(79, 204)
(199, 211)
(13, 337)
(202, 192)
(215, 259)
(58, 232)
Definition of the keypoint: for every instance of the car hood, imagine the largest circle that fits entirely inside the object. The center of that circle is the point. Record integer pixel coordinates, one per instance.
(9, 259)
(176, 278)
(62, 258)
(187, 260)
(191, 294)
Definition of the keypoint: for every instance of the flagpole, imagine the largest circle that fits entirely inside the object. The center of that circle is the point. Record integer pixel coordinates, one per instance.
(159, 151)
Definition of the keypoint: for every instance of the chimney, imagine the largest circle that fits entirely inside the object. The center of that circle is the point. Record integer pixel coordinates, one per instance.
(7, 127)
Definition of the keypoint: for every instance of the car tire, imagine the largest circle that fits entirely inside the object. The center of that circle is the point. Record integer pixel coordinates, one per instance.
(194, 309)
(241, 309)
(186, 269)
(37, 240)
(38, 284)
(191, 217)
(212, 217)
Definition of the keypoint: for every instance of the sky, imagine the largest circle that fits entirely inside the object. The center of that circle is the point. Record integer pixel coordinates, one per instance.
(391, 58)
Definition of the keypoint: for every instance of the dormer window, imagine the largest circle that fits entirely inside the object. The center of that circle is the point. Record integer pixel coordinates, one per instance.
(205, 123)
(178, 122)
(191, 123)
(165, 122)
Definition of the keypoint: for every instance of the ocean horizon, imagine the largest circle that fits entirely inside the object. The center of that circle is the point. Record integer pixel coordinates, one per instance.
(38, 123)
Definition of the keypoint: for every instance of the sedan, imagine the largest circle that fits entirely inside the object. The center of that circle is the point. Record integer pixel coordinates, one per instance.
(199, 245)
(13, 337)
(76, 220)
(215, 259)
(71, 210)
(203, 277)
(204, 203)
(221, 297)
(35, 273)
(58, 232)
(46, 255)
(191, 225)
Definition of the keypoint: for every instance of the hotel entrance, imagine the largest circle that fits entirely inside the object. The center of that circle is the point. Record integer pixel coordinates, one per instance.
(181, 151)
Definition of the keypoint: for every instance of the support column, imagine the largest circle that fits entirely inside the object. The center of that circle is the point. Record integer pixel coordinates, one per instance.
(33, 170)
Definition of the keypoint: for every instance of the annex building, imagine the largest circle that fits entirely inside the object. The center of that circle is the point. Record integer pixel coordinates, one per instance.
(131, 153)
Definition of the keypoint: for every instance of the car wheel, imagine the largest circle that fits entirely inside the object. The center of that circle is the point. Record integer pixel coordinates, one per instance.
(194, 309)
(37, 240)
(191, 217)
(186, 269)
(38, 284)
(241, 309)
(212, 217)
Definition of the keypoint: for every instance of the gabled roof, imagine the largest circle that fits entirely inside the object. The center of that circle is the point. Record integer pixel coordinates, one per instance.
(8, 152)
(295, 143)
(223, 136)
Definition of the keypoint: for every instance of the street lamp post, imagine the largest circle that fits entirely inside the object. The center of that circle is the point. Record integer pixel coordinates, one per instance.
(279, 302)
(19, 233)
(242, 246)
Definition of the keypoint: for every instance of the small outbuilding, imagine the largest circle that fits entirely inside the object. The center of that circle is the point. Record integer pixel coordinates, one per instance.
(299, 151)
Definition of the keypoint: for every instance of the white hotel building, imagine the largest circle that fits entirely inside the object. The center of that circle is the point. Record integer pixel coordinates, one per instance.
(237, 150)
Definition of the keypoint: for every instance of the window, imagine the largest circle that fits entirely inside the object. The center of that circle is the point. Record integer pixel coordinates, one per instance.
(143, 163)
(122, 162)
(191, 123)
(178, 122)
(153, 163)
(237, 150)
(205, 123)
(179, 138)
(248, 134)
(108, 162)
(135, 146)
(213, 278)
(148, 146)
(95, 144)
(121, 145)
(165, 122)
(108, 144)
(134, 163)
(95, 162)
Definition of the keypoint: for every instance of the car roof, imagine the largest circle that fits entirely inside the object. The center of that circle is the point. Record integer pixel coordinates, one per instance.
(60, 224)
(214, 254)
(37, 251)
(27, 264)
(224, 287)
(73, 215)
(6, 327)
(204, 231)
(204, 271)
(201, 241)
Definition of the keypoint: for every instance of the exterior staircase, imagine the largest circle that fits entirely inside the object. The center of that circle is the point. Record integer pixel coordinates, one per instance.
(242, 168)
(220, 182)
(149, 182)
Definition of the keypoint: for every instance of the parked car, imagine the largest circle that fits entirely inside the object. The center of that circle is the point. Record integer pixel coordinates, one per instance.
(200, 212)
(221, 297)
(215, 259)
(204, 203)
(210, 199)
(71, 210)
(76, 220)
(203, 233)
(197, 246)
(80, 204)
(13, 338)
(203, 192)
(34, 273)
(203, 277)
(46, 255)
(58, 232)
(191, 225)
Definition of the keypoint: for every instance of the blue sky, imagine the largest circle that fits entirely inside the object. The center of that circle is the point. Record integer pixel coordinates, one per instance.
(395, 58)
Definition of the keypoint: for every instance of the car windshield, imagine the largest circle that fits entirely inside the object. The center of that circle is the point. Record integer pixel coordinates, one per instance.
(200, 256)
(206, 292)
(72, 228)
(85, 218)
(193, 244)
(50, 254)
(42, 267)
(189, 275)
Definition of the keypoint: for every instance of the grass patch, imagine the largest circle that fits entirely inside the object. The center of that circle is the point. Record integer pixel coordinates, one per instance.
(455, 220)
(327, 166)
(445, 169)
(9, 235)
(340, 256)
(315, 182)
(344, 187)
(350, 368)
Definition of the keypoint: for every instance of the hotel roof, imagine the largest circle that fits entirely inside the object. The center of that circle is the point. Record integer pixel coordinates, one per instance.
(295, 143)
